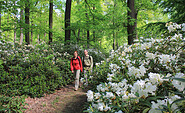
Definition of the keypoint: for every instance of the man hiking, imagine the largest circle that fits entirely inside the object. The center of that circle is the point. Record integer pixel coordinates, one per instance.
(87, 62)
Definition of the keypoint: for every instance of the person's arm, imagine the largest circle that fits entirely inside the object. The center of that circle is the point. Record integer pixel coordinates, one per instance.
(71, 64)
(81, 67)
(91, 67)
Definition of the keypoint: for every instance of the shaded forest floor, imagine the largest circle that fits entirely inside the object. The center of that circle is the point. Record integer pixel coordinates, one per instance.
(65, 100)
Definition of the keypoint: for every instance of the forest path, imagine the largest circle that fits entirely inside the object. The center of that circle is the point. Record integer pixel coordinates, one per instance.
(65, 100)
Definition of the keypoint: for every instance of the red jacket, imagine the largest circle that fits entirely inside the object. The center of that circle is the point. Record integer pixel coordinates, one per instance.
(76, 64)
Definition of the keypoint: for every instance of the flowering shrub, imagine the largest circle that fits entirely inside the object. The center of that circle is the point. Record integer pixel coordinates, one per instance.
(143, 77)
(32, 70)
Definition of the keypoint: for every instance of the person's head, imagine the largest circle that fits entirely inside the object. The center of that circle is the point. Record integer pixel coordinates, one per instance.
(75, 54)
(85, 52)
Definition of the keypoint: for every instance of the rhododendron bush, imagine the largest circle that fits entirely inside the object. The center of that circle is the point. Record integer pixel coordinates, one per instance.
(148, 76)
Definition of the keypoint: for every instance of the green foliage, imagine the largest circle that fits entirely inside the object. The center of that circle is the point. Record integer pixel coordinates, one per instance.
(32, 70)
(12, 104)
(174, 8)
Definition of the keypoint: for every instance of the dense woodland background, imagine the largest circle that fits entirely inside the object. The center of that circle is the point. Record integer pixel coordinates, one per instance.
(89, 23)
(130, 40)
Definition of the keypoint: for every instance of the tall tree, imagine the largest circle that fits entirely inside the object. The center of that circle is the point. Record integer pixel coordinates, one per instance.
(21, 28)
(88, 32)
(31, 30)
(27, 21)
(78, 37)
(67, 20)
(131, 26)
(94, 36)
(15, 19)
(50, 20)
(0, 22)
(113, 20)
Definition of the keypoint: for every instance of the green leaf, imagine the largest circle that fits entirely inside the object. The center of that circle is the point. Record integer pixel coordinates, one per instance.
(178, 100)
(146, 110)
(147, 103)
(155, 98)
(3, 108)
(180, 79)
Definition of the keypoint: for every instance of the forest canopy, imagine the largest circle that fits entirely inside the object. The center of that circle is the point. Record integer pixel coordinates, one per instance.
(91, 23)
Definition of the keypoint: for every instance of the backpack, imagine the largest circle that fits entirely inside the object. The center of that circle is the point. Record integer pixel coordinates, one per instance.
(84, 59)
(76, 58)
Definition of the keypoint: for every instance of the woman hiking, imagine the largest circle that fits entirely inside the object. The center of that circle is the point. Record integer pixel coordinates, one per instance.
(76, 67)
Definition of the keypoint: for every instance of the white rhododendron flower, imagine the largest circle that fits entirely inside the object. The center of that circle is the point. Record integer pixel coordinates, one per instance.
(154, 111)
(170, 28)
(97, 64)
(164, 58)
(97, 95)
(150, 88)
(102, 88)
(119, 111)
(90, 96)
(109, 76)
(155, 78)
(142, 70)
(100, 106)
(109, 95)
(114, 67)
(178, 84)
(158, 105)
(82, 80)
(150, 55)
(107, 108)
(183, 27)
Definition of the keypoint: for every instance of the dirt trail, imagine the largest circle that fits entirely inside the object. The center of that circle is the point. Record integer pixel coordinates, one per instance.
(65, 100)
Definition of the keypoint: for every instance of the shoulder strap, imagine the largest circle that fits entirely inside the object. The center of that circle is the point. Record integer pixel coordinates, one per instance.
(78, 59)
(89, 57)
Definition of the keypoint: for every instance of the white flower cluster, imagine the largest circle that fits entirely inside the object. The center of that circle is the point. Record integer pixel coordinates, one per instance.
(178, 84)
(160, 103)
(173, 26)
(145, 66)
(137, 72)
(114, 67)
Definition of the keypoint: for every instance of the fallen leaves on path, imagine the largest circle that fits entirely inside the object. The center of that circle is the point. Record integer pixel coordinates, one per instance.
(65, 100)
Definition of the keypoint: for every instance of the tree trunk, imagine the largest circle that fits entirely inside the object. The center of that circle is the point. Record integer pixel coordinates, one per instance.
(0, 24)
(88, 33)
(27, 21)
(136, 24)
(94, 36)
(32, 30)
(130, 16)
(50, 21)
(15, 24)
(78, 37)
(114, 41)
(67, 20)
(114, 38)
(117, 39)
(15, 33)
(21, 29)
(31, 34)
